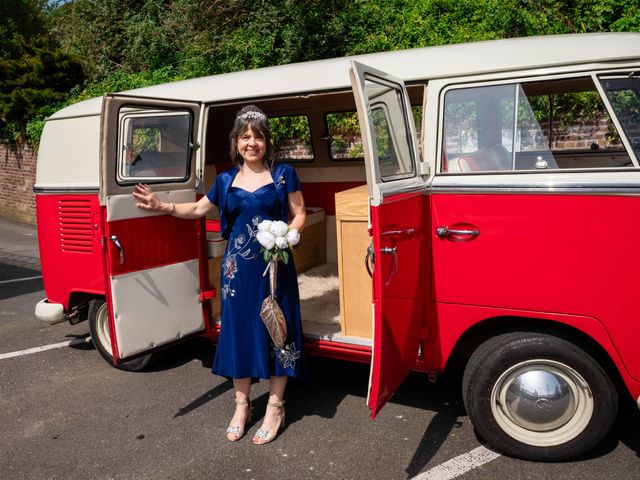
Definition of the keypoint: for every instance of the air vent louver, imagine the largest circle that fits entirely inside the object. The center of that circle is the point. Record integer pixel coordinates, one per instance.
(75, 226)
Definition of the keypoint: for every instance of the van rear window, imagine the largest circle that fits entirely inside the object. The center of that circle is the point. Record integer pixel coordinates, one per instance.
(154, 145)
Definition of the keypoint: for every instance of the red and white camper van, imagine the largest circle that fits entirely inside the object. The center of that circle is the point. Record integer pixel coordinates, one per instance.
(485, 209)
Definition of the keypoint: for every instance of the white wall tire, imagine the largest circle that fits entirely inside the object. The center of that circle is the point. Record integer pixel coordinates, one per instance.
(100, 336)
(538, 397)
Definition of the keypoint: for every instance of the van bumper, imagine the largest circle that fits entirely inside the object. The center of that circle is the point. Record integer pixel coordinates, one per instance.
(50, 313)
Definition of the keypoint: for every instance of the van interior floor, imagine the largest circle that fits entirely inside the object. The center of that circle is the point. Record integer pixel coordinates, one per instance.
(320, 305)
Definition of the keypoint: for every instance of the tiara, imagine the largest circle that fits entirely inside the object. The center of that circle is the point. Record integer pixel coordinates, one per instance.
(252, 114)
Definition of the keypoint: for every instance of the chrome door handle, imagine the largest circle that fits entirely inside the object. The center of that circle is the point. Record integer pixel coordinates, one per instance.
(444, 232)
(394, 268)
(116, 242)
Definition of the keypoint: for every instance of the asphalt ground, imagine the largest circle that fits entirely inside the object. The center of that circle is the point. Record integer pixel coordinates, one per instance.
(66, 414)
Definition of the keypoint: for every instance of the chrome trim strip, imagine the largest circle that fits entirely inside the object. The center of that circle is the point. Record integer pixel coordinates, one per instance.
(69, 190)
(638, 402)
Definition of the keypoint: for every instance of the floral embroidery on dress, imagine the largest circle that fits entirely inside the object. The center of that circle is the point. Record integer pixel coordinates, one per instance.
(237, 243)
(230, 266)
(288, 355)
(226, 290)
(240, 246)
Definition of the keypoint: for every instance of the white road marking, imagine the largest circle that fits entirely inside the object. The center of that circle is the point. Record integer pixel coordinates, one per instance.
(459, 465)
(43, 348)
(24, 279)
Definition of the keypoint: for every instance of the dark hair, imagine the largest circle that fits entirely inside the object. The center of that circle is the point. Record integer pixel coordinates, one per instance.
(251, 117)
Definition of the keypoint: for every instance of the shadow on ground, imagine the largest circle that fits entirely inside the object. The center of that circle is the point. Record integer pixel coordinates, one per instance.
(14, 275)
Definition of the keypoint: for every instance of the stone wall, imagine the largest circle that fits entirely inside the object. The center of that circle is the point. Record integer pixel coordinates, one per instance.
(17, 177)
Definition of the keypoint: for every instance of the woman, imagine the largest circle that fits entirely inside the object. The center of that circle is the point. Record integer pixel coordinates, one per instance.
(255, 189)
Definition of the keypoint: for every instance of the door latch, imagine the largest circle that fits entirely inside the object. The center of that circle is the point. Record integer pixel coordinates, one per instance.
(116, 242)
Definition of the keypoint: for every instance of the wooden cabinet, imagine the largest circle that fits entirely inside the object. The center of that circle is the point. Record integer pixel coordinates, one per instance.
(312, 249)
(352, 208)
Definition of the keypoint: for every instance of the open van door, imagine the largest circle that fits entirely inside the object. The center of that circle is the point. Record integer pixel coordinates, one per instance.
(154, 272)
(398, 218)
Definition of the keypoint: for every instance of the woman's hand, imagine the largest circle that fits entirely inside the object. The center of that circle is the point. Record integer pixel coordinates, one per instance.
(146, 198)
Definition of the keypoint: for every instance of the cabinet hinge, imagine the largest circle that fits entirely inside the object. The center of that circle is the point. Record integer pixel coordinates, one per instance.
(206, 295)
(424, 333)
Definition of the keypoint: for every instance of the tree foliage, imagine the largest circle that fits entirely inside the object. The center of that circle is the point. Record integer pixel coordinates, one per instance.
(124, 44)
(37, 74)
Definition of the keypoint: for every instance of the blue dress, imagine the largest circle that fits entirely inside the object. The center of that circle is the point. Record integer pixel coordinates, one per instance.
(244, 347)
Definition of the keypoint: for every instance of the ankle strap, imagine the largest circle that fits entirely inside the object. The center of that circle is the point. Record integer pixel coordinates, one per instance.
(241, 402)
(276, 404)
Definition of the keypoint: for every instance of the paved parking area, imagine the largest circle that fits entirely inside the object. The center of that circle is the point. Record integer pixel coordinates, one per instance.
(65, 413)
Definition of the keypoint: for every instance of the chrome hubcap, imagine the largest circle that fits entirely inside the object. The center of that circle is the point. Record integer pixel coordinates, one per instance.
(542, 402)
(539, 400)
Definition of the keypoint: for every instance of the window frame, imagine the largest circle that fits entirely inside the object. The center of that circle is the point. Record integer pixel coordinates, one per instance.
(122, 141)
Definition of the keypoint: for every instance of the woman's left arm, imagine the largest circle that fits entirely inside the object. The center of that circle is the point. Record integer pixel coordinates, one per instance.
(297, 209)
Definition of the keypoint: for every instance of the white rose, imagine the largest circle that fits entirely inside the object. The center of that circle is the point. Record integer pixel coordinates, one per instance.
(281, 242)
(293, 237)
(264, 226)
(279, 228)
(266, 239)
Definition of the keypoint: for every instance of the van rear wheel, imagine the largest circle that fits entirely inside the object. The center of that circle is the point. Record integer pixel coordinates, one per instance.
(538, 397)
(100, 336)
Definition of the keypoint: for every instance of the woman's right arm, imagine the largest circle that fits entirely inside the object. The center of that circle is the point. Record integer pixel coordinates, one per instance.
(147, 200)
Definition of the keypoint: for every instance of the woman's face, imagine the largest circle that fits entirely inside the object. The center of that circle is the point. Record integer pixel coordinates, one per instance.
(251, 146)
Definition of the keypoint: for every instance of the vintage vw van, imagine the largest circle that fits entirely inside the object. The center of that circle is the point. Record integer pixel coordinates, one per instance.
(491, 191)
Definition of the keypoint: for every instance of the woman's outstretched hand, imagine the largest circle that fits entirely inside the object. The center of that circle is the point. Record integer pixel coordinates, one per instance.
(146, 197)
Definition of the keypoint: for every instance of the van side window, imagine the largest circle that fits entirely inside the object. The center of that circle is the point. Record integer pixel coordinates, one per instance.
(153, 145)
(291, 138)
(343, 134)
(624, 95)
(559, 124)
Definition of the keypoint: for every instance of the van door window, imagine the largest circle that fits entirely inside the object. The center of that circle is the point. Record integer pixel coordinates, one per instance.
(560, 124)
(153, 145)
(624, 95)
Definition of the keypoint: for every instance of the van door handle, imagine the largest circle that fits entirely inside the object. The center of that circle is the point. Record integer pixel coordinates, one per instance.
(116, 242)
(444, 232)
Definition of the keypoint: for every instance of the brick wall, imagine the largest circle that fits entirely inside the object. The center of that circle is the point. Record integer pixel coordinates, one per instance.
(17, 177)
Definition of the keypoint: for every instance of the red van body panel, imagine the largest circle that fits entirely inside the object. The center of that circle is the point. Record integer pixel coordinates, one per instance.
(562, 255)
(69, 238)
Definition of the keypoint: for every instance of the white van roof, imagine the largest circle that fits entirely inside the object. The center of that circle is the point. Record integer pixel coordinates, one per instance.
(415, 64)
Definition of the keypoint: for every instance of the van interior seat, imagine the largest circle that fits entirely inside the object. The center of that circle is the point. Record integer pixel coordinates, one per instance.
(489, 159)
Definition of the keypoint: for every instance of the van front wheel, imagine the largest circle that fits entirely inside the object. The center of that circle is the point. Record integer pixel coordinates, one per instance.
(538, 397)
(100, 336)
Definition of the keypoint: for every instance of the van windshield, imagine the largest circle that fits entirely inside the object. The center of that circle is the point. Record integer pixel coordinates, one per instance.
(624, 95)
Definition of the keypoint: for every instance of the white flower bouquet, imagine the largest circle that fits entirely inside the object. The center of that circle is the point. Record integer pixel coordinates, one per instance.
(275, 237)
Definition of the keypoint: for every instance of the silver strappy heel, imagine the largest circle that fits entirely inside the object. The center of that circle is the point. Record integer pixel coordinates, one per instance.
(264, 436)
(236, 433)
